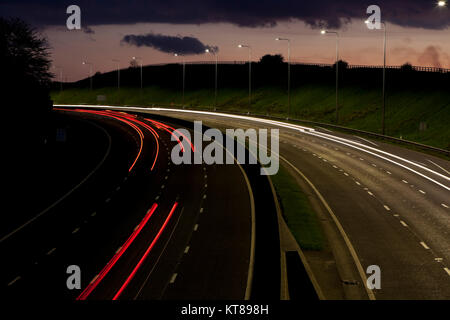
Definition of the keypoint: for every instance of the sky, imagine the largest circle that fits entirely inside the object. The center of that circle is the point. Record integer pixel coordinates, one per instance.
(418, 31)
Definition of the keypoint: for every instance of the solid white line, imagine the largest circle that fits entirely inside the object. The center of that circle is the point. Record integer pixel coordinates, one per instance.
(439, 166)
(424, 245)
(367, 141)
(174, 277)
(403, 223)
(387, 208)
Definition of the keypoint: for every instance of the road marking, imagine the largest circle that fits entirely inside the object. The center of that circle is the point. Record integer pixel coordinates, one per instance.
(118, 188)
(186, 250)
(335, 167)
(14, 281)
(438, 259)
(361, 159)
(439, 166)
(163, 186)
(424, 245)
(174, 277)
(204, 196)
(370, 193)
(206, 176)
(444, 205)
(108, 200)
(166, 177)
(201, 210)
(403, 223)
(447, 270)
(373, 143)
(206, 185)
(387, 208)
(75, 230)
(196, 227)
(388, 172)
(374, 165)
(168, 170)
(157, 197)
(404, 181)
(120, 246)
(324, 160)
(357, 183)
(51, 251)
(396, 215)
(346, 174)
(421, 191)
(93, 214)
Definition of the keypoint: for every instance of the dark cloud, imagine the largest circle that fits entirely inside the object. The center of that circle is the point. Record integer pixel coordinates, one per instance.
(169, 44)
(252, 13)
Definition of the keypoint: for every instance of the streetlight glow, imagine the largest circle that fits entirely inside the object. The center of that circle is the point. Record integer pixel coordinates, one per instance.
(441, 3)
(323, 31)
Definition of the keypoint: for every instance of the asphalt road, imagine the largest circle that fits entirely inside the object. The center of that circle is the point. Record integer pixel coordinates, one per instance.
(392, 203)
(138, 226)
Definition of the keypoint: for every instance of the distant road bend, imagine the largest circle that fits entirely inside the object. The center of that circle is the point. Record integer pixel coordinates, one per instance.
(393, 203)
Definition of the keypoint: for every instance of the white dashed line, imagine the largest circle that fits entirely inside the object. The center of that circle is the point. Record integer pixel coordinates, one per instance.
(370, 193)
(424, 245)
(93, 214)
(346, 174)
(444, 205)
(186, 250)
(438, 259)
(204, 196)
(387, 208)
(14, 281)
(403, 223)
(447, 270)
(157, 197)
(163, 186)
(374, 165)
(357, 183)
(75, 230)
(422, 192)
(166, 177)
(174, 277)
(335, 167)
(195, 227)
(201, 210)
(404, 181)
(361, 159)
(118, 188)
(51, 251)
(388, 172)
(108, 200)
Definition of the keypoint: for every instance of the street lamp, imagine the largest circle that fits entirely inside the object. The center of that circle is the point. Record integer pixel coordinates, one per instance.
(441, 3)
(383, 126)
(140, 59)
(289, 72)
(249, 74)
(184, 74)
(215, 80)
(60, 76)
(118, 72)
(90, 71)
(337, 69)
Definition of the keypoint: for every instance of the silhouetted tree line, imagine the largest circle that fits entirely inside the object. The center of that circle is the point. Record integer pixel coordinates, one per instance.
(271, 70)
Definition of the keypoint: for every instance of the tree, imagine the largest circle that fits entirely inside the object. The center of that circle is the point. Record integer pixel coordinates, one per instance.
(407, 67)
(272, 59)
(25, 63)
(133, 63)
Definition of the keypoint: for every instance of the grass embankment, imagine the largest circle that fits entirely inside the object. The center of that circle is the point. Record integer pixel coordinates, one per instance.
(360, 107)
(297, 211)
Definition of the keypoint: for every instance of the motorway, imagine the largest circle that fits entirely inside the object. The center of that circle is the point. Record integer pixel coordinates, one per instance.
(137, 226)
(390, 204)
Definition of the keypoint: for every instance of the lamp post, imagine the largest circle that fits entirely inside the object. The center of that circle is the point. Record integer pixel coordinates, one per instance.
(249, 74)
(90, 71)
(184, 74)
(118, 73)
(337, 69)
(383, 116)
(215, 77)
(140, 59)
(289, 73)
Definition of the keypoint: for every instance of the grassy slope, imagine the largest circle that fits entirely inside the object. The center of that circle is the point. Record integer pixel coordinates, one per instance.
(360, 106)
(297, 211)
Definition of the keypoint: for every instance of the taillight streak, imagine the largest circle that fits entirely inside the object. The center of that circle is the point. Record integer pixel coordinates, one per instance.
(117, 255)
(147, 252)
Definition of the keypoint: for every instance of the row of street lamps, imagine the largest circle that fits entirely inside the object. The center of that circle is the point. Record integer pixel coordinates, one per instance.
(439, 4)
